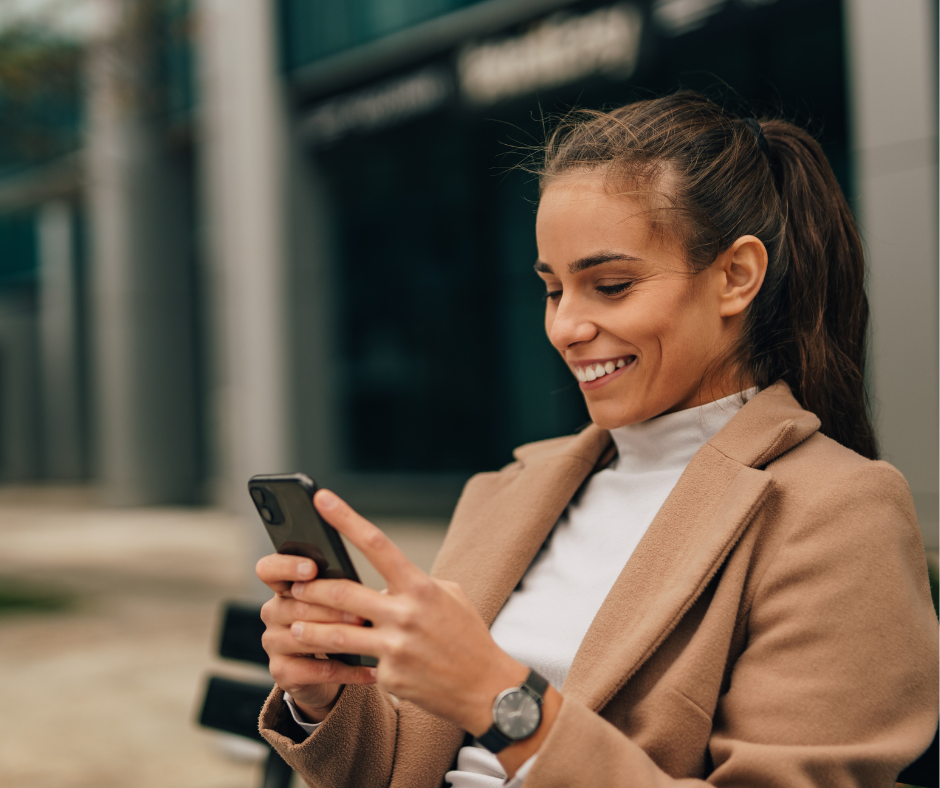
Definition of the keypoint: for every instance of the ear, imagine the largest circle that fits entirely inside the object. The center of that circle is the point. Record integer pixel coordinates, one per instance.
(741, 268)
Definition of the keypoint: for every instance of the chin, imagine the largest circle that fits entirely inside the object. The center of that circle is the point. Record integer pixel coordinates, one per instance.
(611, 418)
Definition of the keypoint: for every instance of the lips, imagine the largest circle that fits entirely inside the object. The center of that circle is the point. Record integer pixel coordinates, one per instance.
(588, 371)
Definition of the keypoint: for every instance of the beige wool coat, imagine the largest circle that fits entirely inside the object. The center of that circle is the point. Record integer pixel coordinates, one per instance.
(773, 628)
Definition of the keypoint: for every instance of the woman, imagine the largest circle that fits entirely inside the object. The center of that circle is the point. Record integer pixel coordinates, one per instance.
(713, 581)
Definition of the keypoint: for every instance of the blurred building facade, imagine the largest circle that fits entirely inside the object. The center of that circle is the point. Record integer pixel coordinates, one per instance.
(289, 235)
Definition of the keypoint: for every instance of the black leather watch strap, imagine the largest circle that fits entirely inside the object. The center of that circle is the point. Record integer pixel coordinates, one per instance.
(494, 739)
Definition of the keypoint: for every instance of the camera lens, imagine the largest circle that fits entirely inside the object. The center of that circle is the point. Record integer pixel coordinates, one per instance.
(266, 514)
(258, 495)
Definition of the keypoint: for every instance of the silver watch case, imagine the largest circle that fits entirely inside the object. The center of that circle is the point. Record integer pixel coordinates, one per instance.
(517, 713)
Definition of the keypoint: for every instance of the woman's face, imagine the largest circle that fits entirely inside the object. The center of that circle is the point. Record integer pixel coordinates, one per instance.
(637, 330)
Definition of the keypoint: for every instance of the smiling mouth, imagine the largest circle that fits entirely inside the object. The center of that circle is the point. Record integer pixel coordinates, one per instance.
(587, 373)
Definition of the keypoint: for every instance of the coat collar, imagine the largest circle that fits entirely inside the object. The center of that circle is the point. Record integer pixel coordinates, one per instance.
(699, 524)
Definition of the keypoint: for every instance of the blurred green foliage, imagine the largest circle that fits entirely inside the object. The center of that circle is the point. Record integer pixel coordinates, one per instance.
(40, 97)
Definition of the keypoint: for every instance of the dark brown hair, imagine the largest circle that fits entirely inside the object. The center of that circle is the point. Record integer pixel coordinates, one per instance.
(723, 177)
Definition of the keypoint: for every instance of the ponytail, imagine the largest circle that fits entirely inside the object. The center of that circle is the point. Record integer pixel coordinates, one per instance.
(808, 324)
(823, 309)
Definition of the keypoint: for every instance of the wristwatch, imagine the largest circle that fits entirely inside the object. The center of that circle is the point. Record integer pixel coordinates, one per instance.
(517, 713)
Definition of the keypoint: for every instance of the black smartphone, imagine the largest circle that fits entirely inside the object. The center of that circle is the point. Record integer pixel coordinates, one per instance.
(285, 504)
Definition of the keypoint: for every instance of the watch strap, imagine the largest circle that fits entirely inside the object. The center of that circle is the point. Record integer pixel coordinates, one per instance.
(494, 739)
(537, 684)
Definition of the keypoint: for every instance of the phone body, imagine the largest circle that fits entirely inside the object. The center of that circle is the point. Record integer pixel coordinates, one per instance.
(285, 504)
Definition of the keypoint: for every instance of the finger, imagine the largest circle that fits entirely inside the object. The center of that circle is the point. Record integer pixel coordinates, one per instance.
(380, 551)
(280, 642)
(292, 674)
(282, 611)
(278, 571)
(336, 638)
(346, 596)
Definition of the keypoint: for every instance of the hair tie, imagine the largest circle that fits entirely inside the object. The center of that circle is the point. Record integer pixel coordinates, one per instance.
(758, 132)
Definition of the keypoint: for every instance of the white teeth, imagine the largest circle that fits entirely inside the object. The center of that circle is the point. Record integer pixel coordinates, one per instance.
(598, 370)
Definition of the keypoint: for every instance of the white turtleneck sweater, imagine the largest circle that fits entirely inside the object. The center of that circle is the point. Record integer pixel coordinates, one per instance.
(547, 616)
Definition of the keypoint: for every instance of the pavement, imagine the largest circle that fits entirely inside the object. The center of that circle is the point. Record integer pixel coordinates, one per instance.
(102, 688)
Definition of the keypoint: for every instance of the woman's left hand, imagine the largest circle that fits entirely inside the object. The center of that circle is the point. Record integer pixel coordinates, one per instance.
(433, 648)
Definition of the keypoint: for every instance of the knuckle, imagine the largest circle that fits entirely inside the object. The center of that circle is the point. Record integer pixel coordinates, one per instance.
(395, 649)
(269, 610)
(329, 671)
(337, 593)
(276, 669)
(268, 642)
(424, 587)
(376, 540)
(407, 615)
(337, 638)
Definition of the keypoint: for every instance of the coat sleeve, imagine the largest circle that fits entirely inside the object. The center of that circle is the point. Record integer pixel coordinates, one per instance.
(354, 746)
(837, 683)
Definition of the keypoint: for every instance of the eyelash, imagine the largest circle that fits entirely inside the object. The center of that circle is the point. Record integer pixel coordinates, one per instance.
(617, 289)
(607, 290)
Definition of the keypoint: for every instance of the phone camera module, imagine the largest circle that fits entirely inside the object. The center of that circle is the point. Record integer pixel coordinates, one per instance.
(267, 506)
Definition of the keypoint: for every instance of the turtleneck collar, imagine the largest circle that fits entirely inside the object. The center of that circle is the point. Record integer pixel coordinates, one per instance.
(671, 440)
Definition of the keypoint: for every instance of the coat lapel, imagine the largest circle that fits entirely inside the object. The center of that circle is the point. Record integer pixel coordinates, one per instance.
(679, 554)
(687, 542)
(498, 527)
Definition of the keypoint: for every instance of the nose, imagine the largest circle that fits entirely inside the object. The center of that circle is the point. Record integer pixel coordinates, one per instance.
(569, 324)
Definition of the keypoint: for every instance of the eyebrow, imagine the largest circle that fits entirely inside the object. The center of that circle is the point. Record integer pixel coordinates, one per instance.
(587, 262)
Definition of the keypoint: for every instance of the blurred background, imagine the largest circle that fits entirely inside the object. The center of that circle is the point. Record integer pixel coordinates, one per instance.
(243, 236)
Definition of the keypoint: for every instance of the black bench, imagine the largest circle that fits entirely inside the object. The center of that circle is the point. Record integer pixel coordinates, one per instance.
(234, 706)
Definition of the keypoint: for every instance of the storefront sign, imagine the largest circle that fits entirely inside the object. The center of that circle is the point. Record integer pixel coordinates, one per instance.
(379, 106)
(558, 50)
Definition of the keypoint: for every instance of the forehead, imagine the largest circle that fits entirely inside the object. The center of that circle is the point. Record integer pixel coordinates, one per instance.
(578, 215)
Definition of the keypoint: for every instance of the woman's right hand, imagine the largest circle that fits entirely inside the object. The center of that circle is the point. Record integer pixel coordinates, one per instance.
(313, 683)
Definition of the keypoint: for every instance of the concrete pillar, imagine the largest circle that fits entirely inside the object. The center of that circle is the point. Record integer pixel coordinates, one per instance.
(20, 450)
(142, 334)
(58, 343)
(316, 442)
(243, 133)
(892, 69)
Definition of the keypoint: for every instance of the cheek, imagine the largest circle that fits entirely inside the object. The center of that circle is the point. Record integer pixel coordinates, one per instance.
(688, 341)
(672, 333)
(549, 322)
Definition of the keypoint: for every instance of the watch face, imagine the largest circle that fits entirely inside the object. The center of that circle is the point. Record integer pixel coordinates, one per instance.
(518, 714)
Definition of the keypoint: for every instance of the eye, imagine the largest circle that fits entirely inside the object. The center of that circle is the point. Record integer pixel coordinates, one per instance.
(612, 290)
(552, 295)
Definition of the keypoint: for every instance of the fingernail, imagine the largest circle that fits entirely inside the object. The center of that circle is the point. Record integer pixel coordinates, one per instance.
(305, 569)
(349, 618)
(297, 629)
(297, 589)
(327, 500)
(373, 673)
